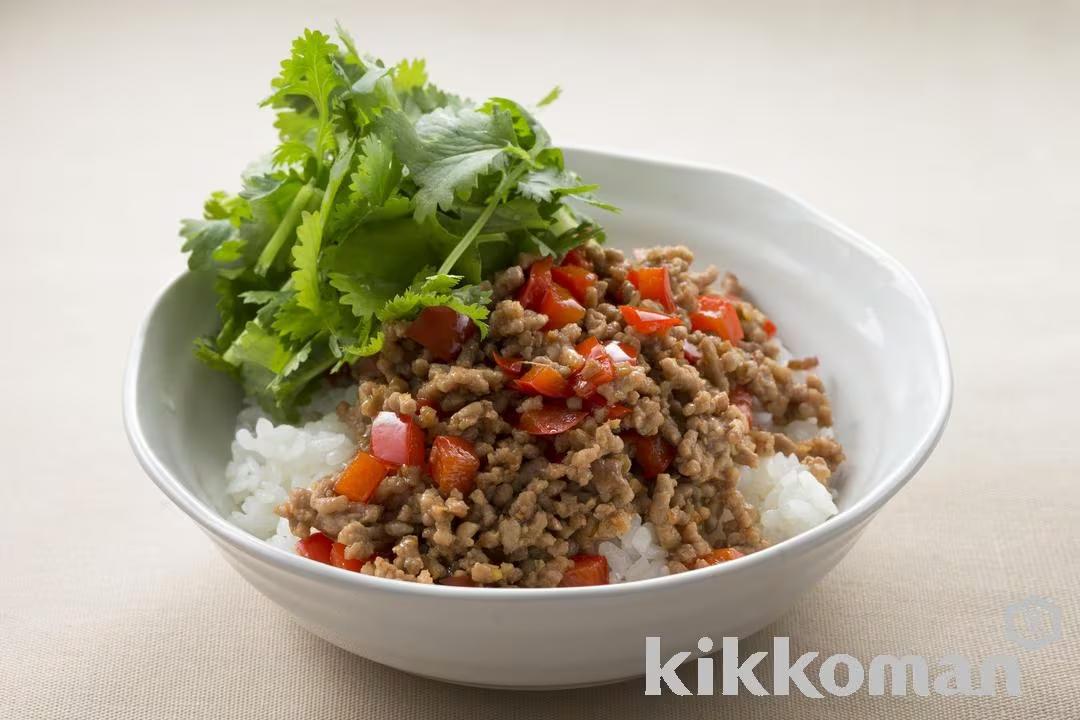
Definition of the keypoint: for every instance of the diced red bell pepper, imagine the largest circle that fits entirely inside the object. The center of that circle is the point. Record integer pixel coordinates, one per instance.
(338, 559)
(397, 439)
(587, 570)
(742, 399)
(647, 322)
(442, 331)
(361, 477)
(720, 555)
(598, 369)
(692, 352)
(576, 257)
(537, 285)
(717, 315)
(454, 464)
(576, 279)
(594, 401)
(586, 346)
(543, 380)
(458, 581)
(652, 453)
(315, 546)
(618, 411)
(654, 283)
(714, 302)
(770, 327)
(717, 323)
(620, 352)
(511, 367)
(550, 420)
(560, 307)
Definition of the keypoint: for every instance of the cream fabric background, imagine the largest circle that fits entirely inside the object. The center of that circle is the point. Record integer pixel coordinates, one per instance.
(946, 132)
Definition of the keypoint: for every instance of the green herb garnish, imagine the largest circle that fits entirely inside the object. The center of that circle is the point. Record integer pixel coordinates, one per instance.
(385, 195)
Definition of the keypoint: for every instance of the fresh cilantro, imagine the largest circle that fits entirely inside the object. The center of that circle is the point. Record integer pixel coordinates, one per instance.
(384, 195)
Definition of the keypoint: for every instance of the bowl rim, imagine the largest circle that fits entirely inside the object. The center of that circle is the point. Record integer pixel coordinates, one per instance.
(844, 521)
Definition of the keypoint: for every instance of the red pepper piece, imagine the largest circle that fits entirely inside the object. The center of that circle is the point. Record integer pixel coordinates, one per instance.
(587, 570)
(511, 367)
(717, 315)
(454, 464)
(652, 453)
(550, 420)
(361, 477)
(442, 331)
(654, 283)
(720, 555)
(315, 546)
(576, 257)
(397, 439)
(598, 369)
(537, 285)
(560, 307)
(576, 279)
(543, 380)
(647, 322)
(338, 559)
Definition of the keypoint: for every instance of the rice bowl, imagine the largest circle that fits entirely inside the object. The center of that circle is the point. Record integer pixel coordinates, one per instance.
(282, 330)
(582, 636)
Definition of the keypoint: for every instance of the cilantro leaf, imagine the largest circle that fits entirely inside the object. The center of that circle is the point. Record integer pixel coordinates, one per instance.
(309, 238)
(410, 75)
(541, 185)
(548, 183)
(377, 175)
(306, 260)
(309, 73)
(446, 152)
(364, 299)
(202, 238)
(214, 241)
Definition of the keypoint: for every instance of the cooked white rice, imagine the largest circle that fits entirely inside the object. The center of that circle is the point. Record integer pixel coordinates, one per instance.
(789, 499)
(634, 555)
(269, 460)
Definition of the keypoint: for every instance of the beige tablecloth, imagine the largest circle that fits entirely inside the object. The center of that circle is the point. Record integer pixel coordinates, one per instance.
(947, 132)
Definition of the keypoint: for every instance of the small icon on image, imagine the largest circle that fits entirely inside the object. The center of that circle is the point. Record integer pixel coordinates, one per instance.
(1033, 623)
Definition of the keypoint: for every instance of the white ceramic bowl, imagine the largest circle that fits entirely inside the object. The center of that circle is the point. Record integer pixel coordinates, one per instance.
(831, 293)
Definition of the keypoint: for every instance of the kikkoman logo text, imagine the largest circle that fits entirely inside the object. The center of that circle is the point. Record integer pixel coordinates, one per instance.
(1031, 624)
(952, 674)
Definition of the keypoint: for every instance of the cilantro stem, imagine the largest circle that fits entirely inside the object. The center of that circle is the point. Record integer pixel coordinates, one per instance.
(564, 221)
(284, 229)
(477, 227)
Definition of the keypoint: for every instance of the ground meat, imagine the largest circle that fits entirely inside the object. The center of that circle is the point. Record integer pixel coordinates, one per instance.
(540, 500)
